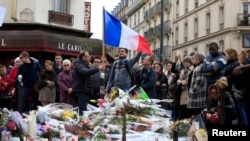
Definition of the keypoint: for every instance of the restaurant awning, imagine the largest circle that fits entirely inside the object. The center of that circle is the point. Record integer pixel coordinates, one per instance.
(38, 40)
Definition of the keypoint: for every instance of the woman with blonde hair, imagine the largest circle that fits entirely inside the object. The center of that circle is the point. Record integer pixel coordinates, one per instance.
(233, 80)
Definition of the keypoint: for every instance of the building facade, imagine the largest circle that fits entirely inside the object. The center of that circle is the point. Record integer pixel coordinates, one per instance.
(144, 17)
(45, 28)
(199, 22)
(188, 25)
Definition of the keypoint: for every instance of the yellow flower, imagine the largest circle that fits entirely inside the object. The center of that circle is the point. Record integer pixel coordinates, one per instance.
(202, 132)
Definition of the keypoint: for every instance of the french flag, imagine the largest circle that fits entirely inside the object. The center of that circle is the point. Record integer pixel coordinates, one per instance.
(117, 34)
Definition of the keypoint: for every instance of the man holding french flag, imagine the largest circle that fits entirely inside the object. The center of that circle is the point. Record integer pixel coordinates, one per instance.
(117, 34)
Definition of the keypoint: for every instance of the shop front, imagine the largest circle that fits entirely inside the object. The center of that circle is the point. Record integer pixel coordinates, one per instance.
(44, 44)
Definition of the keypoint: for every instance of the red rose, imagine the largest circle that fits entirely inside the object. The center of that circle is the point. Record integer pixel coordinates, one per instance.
(11, 126)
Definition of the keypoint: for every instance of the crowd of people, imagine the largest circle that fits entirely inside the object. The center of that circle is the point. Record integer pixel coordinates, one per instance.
(214, 86)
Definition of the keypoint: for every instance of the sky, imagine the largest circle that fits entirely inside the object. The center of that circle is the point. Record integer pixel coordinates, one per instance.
(96, 15)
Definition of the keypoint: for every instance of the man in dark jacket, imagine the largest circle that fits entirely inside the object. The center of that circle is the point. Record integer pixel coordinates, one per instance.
(29, 69)
(146, 78)
(58, 67)
(83, 84)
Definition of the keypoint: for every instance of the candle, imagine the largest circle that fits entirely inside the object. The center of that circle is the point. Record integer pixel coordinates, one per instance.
(32, 124)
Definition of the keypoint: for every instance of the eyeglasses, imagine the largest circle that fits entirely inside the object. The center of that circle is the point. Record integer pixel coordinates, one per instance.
(87, 56)
(65, 65)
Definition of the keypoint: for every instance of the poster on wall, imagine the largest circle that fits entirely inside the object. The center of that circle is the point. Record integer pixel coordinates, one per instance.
(87, 16)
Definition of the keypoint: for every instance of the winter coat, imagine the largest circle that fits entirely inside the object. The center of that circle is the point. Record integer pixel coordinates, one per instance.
(46, 85)
(65, 80)
(83, 77)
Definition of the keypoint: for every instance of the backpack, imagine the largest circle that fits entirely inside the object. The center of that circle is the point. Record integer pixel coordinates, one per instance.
(127, 69)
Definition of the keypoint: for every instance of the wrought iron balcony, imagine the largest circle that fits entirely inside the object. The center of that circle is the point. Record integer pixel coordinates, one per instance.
(150, 13)
(167, 4)
(243, 19)
(123, 18)
(61, 18)
(166, 50)
(166, 28)
(149, 34)
(135, 5)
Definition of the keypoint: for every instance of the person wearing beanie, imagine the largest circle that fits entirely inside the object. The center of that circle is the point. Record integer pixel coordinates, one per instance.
(12, 79)
(189, 59)
(182, 85)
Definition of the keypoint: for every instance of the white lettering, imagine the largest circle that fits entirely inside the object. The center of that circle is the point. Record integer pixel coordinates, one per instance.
(87, 17)
(73, 47)
(87, 8)
(61, 45)
(215, 132)
(3, 44)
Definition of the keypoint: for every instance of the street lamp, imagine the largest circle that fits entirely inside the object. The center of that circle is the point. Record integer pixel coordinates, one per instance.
(162, 30)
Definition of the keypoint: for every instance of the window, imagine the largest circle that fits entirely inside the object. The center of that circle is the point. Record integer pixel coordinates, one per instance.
(139, 17)
(207, 49)
(196, 3)
(176, 36)
(186, 6)
(246, 7)
(221, 45)
(246, 41)
(208, 23)
(135, 20)
(185, 53)
(222, 17)
(246, 11)
(196, 28)
(130, 22)
(177, 9)
(195, 49)
(61, 6)
(186, 32)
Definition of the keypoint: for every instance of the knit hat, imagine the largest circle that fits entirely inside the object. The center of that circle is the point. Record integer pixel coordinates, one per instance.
(189, 59)
(17, 59)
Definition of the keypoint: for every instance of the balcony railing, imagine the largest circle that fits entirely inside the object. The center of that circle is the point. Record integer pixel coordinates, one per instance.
(123, 18)
(150, 13)
(167, 4)
(167, 50)
(195, 35)
(166, 28)
(149, 34)
(221, 25)
(135, 5)
(185, 39)
(243, 19)
(208, 30)
(61, 18)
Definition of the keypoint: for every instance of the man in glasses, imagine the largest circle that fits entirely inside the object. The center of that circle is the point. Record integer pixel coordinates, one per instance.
(121, 72)
(83, 79)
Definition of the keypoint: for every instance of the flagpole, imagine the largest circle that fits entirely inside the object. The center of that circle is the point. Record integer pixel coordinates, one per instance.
(103, 38)
(102, 75)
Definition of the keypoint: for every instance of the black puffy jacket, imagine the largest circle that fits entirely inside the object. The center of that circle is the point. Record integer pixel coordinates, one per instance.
(83, 81)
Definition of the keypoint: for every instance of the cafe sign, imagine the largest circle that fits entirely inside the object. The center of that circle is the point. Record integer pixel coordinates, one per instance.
(45, 40)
